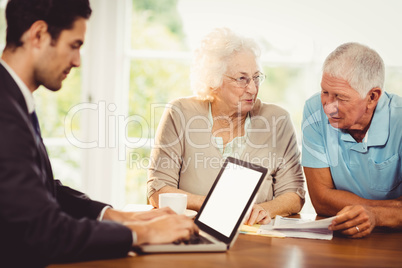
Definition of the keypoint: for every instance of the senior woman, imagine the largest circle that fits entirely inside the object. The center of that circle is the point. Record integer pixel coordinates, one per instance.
(226, 118)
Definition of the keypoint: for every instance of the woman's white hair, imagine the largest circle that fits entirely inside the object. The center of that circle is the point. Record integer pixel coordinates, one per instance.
(359, 65)
(211, 58)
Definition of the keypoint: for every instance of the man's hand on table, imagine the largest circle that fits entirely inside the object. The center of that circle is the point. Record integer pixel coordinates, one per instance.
(354, 221)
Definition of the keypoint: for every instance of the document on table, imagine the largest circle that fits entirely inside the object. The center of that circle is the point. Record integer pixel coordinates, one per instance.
(300, 228)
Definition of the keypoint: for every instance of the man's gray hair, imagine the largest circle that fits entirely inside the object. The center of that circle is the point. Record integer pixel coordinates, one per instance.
(211, 58)
(358, 64)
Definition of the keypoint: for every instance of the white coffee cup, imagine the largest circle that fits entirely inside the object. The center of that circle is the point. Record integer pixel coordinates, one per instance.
(176, 201)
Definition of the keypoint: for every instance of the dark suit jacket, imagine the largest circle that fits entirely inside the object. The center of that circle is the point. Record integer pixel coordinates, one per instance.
(42, 221)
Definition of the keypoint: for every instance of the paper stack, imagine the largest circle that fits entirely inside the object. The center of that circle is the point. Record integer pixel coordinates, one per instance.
(300, 228)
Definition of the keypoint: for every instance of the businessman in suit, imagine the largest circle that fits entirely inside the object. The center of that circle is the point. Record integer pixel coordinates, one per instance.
(42, 221)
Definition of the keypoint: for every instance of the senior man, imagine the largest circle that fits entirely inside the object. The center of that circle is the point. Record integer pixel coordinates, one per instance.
(352, 144)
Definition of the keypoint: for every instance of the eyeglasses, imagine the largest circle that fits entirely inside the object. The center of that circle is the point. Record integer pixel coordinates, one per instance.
(244, 81)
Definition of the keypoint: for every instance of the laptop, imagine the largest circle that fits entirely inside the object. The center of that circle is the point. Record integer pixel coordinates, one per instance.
(228, 202)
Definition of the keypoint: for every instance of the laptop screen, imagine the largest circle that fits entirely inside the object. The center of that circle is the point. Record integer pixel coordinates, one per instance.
(229, 198)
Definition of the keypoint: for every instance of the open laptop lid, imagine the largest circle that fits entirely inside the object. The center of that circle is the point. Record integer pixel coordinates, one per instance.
(229, 199)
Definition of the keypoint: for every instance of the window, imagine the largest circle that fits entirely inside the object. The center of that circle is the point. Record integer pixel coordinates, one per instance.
(159, 72)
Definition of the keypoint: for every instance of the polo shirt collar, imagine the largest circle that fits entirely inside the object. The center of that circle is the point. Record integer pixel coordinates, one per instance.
(379, 128)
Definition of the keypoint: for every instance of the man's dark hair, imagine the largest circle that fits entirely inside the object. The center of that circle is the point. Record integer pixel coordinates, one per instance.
(58, 14)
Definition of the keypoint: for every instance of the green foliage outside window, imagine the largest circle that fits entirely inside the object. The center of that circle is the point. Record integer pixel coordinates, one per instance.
(156, 25)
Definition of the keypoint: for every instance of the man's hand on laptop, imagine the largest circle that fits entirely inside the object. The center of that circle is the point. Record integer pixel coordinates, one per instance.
(258, 215)
(163, 229)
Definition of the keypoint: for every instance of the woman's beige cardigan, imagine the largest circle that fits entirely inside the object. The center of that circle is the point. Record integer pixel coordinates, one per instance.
(184, 155)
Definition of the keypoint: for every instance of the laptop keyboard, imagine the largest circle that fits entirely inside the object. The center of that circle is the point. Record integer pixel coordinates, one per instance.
(194, 240)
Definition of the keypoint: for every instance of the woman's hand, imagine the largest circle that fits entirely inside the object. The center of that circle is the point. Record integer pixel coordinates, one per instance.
(354, 221)
(258, 215)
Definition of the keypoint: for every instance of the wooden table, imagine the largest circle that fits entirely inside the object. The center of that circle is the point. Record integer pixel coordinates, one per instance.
(380, 249)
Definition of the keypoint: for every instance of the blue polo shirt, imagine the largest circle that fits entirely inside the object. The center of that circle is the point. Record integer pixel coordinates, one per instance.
(371, 169)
